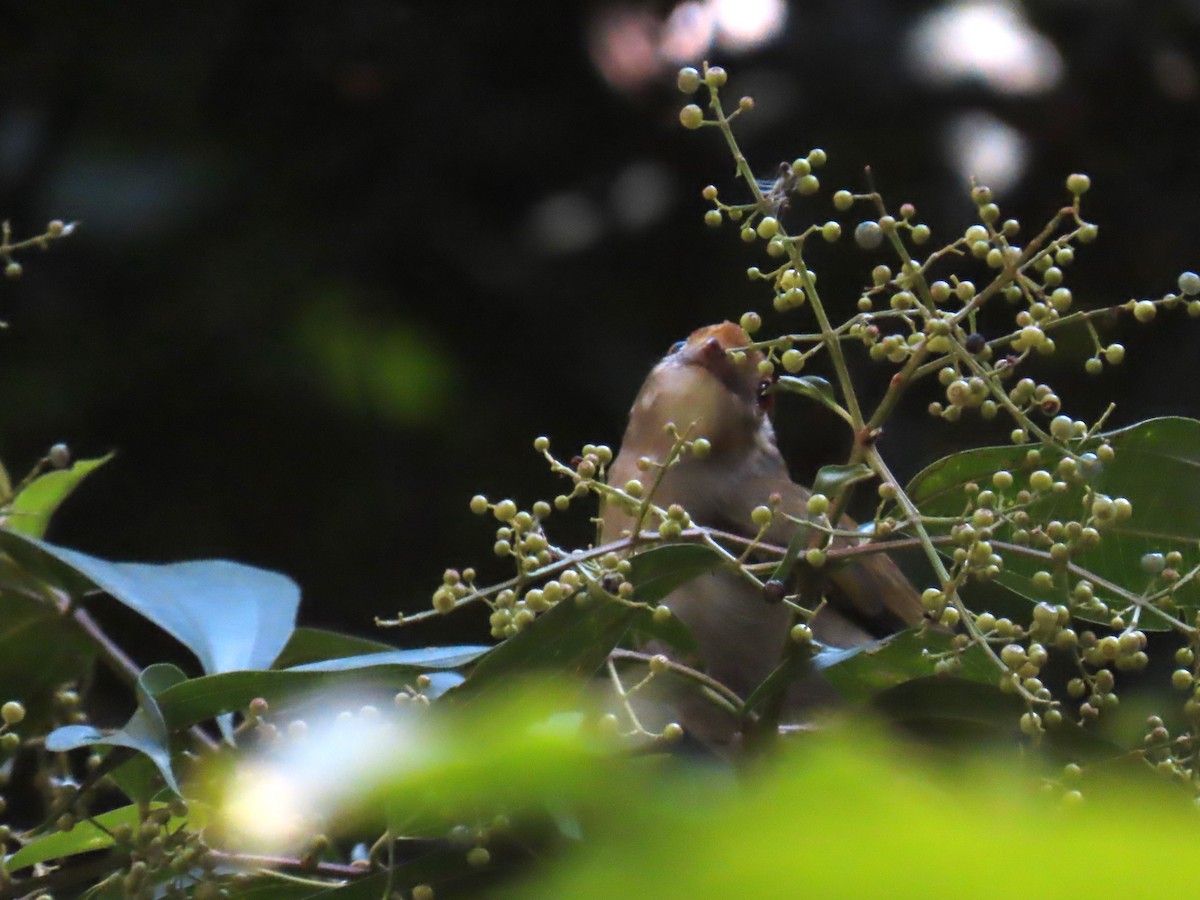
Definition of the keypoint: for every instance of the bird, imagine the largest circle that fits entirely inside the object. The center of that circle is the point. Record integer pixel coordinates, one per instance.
(704, 391)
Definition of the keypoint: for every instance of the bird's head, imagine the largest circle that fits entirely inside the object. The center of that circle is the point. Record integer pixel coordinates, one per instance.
(707, 391)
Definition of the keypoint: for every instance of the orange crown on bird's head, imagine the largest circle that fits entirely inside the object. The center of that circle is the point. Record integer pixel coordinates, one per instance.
(709, 348)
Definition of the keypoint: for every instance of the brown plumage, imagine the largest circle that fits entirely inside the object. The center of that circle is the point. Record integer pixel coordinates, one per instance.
(699, 386)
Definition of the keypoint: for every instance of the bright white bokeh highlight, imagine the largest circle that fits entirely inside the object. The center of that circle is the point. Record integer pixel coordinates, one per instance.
(276, 800)
(633, 47)
(746, 24)
(986, 40)
(987, 149)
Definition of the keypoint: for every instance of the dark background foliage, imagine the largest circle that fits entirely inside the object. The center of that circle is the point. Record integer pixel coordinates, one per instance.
(338, 264)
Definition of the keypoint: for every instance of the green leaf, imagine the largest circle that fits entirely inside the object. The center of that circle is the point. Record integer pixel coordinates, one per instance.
(146, 731)
(796, 545)
(670, 631)
(200, 699)
(658, 571)
(86, 836)
(796, 660)
(32, 507)
(861, 672)
(571, 640)
(951, 708)
(370, 887)
(450, 657)
(832, 480)
(313, 644)
(814, 387)
(1157, 468)
(230, 615)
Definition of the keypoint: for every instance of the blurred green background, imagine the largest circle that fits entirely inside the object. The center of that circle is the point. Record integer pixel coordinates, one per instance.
(338, 264)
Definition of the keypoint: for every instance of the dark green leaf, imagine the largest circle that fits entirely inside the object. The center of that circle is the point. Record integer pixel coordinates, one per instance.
(571, 640)
(670, 631)
(796, 545)
(41, 648)
(832, 480)
(1157, 468)
(201, 699)
(812, 386)
(370, 887)
(232, 616)
(136, 776)
(659, 570)
(795, 662)
(974, 711)
(860, 672)
(31, 509)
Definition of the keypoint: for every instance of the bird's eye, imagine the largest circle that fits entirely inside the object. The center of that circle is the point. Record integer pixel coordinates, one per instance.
(676, 347)
(766, 397)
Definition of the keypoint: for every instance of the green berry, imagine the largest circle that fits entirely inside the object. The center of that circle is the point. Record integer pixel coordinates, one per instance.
(1078, 184)
(688, 80)
(443, 601)
(793, 361)
(1114, 354)
(12, 712)
(816, 157)
(1062, 428)
(817, 505)
(843, 200)
(715, 77)
(1145, 310)
(868, 235)
(59, 456)
(831, 231)
(1061, 299)
(801, 634)
(808, 185)
(1041, 480)
(712, 218)
(1189, 284)
(933, 599)
(768, 227)
(691, 116)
